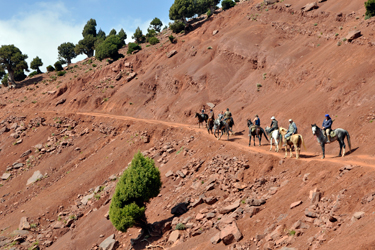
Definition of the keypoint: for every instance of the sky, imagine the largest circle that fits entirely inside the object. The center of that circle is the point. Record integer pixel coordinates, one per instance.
(37, 28)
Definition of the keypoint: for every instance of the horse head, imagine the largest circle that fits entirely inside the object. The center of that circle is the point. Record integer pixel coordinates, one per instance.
(314, 128)
(249, 123)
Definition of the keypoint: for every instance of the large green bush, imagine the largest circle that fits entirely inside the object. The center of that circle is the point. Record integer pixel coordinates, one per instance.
(139, 183)
(58, 66)
(109, 48)
(227, 4)
(370, 8)
(132, 47)
(50, 68)
(177, 26)
(153, 40)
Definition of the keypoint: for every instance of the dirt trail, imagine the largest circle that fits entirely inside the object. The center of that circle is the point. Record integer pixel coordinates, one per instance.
(241, 142)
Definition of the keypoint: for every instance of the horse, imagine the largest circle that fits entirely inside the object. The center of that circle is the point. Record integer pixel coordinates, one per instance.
(223, 127)
(210, 125)
(275, 135)
(258, 131)
(340, 135)
(201, 119)
(295, 140)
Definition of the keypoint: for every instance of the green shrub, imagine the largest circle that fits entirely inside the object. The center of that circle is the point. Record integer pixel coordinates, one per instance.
(177, 26)
(61, 73)
(34, 73)
(180, 226)
(4, 81)
(153, 40)
(171, 39)
(132, 47)
(209, 13)
(138, 184)
(370, 9)
(58, 66)
(227, 4)
(109, 48)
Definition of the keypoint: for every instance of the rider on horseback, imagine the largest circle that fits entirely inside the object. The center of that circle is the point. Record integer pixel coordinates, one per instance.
(228, 116)
(202, 114)
(211, 115)
(327, 124)
(274, 124)
(256, 123)
(291, 131)
(220, 116)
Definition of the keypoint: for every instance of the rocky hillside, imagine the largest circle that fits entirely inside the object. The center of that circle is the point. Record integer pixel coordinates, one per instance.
(65, 140)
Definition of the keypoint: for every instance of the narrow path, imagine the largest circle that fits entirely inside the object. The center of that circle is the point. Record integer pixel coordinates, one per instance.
(242, 142)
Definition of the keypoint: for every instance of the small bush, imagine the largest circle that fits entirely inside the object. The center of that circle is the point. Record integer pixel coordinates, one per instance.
(370, 8)
(139, 183)
(94, 65)
(177, 26)
(315, 24)
(180, 226)
(50, 68)
(132, 47)
(209, 13)
(153, 40)
(171, 39)
(61, 73)
(227, 4)
(58, 66)
(34, 73)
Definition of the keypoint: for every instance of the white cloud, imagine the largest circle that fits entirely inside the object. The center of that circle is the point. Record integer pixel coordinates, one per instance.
(40, 31)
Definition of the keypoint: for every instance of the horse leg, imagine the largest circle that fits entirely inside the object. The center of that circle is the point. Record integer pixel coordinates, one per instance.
(254, 140)
(249, 140)
(271, 143)
(343, 153)
(260, 139)
(297, 152)
(323, 150)
(276, 145)
(286, 152)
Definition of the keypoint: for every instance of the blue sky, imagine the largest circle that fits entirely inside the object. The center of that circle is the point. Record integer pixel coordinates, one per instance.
(37, 28)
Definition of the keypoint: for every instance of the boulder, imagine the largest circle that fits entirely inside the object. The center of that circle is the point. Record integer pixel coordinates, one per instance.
(169, 173)
(131, 76)
(26, 153)
(268, 2)
(310, 213)
(179, 209)
(58, 225)
(180, 174)
(128, 65)
(210, 216)
(86, 199)
(353, 35)
(277, 233)
(252, 210)
(38, 146)
(295, 204)
(215, 239)
(310, 6)
(197, 202)
(5, 176)
(118, 77)
(200, 216)
(174, 236)
(35, 177)
(17, 165)
(4, 130)
(214, 33)
(357, 216)
(230, 208)
(109, 243)
(210, 200)
(52, 92)
(171, 53)
(315, 198)
(255, 202)
(230, 234)
(62, 101)
(24, 224)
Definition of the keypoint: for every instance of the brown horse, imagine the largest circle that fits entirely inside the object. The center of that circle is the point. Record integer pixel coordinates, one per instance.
(201, 119)
(210, 125)
(258, 131)
(222, 126)
(295, 140)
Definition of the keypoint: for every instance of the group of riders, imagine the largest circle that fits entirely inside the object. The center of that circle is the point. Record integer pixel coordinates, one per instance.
(292, 129)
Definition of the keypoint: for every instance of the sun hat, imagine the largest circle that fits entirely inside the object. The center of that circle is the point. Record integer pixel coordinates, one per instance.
(290, 120)
(272, 118)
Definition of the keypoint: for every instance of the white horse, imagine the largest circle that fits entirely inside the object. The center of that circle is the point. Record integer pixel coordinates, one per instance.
(275, 135)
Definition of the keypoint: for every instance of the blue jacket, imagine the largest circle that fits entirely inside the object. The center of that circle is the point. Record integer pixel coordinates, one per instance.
(257, 122)
(327, 123)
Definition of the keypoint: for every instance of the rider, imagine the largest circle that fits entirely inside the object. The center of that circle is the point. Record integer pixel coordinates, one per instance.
(291, 131)
(274, 124)
(202, 114)
(211, 115)
(227, 115)
(256, 121)
(221, 116)
(327, 124)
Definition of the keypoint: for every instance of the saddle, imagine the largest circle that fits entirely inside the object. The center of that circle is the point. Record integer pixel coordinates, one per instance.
(333, 133)
(253, 129)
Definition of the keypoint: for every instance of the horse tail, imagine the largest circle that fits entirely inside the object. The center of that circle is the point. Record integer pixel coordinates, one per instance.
(348, 138)
(265, 135)
(303, 142)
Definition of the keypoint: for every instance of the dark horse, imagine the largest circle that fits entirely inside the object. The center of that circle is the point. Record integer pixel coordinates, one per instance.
(222, 126)
(210, 125)
(201, 119)
(258, 131)
(340, 137)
